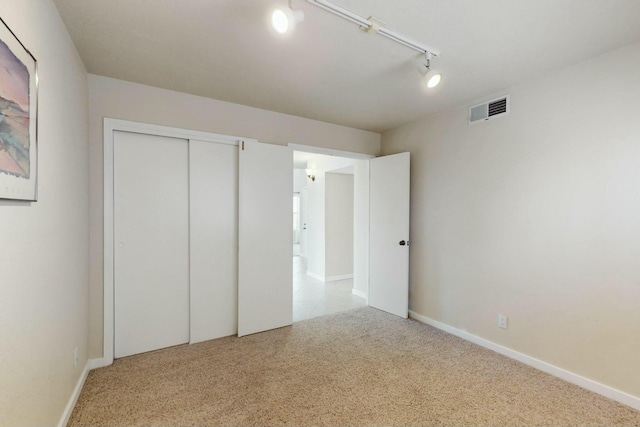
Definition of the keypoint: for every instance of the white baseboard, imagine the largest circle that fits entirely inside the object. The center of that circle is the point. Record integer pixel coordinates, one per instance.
(74, 396)
(68, 410)
(99, 363)
(336, 278)
(316, 276)
(591, 385)
(359, 293)
(329, 278)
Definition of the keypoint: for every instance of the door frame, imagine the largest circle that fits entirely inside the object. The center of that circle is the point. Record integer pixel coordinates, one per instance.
(110, 126)
(298, 195)
(330, 152)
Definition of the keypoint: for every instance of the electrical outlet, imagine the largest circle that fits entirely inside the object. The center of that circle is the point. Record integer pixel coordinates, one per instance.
(502, 321)
(75, 357)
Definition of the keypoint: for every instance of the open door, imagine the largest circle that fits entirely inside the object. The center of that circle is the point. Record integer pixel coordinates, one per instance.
(389, 233)
(265, 261)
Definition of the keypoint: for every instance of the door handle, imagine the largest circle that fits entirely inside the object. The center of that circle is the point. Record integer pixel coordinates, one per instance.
(403, 243)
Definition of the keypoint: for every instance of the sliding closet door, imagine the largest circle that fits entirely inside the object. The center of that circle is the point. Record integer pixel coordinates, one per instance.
(265, 288)
(213, 182)
(151, 235)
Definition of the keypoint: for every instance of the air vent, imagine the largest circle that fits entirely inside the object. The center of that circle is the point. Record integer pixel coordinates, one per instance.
(489, 110)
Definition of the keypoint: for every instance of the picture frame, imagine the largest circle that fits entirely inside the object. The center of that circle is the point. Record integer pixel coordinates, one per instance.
(18, 119)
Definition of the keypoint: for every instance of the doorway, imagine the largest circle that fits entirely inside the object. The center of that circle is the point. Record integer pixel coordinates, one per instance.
(324, 209)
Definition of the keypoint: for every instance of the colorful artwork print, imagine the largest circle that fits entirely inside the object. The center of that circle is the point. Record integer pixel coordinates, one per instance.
(14, 115)
(18, 119)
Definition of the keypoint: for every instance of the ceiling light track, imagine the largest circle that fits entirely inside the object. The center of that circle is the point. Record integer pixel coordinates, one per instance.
(369, 23)
(341, 12)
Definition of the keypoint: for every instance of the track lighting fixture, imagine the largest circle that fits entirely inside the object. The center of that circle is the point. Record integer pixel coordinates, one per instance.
(373, 26)
(434, 80)
(429, 80)
(285, 19)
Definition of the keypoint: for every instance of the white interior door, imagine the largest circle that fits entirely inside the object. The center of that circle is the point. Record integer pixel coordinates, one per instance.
(151, 234)
(213, 201)
(389, 234)
(265, 262)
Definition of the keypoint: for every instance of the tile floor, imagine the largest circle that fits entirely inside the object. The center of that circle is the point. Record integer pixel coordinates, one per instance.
(313, 298)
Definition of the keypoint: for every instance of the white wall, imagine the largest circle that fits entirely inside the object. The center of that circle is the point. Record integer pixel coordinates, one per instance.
(135, 102)
(339, 225)
(44, 250)
(316, 224)
(315, 241)
(299, 180)
(535, 215)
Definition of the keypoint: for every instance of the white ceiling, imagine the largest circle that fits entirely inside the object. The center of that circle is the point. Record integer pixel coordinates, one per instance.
(328, 69)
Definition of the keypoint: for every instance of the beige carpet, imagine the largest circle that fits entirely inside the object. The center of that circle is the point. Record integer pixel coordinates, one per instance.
(359, 368)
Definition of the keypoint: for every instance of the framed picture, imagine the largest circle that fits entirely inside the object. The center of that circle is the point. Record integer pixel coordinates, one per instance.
(18, 119)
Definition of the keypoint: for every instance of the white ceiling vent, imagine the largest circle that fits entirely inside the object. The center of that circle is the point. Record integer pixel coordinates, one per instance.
(489, 110)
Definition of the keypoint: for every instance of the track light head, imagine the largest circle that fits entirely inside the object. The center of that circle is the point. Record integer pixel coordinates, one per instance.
(284, 20)
(433, 80)
(429, 80)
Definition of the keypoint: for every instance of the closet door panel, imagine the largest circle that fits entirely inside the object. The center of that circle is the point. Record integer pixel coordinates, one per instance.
(213, 179)
(265, 278)
(151, 235)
